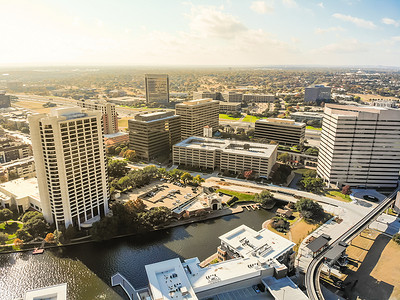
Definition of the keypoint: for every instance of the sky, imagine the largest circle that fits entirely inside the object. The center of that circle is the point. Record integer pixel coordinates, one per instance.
(203, 32)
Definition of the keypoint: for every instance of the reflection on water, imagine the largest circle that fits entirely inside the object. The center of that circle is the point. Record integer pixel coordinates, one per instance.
(79, 265)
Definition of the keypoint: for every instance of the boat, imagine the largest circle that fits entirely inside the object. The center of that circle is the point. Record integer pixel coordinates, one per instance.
(38, 251)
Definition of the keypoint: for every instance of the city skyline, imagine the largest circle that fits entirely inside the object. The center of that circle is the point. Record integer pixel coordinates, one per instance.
(271, 32)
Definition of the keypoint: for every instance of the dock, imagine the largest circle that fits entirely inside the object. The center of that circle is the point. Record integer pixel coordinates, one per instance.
(118, 279)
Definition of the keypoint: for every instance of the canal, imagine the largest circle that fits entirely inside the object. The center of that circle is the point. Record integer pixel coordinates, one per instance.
(87, 268)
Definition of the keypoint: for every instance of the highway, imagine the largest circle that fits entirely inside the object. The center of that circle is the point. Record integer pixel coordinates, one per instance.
(312, 282)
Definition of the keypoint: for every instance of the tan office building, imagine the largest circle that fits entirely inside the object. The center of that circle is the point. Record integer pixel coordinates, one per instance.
(232, 97)
(258, 98)
(283, 131)
(229, 107)
(233, 156)
(204, 94)
(109, 115)
(360, 146)
(157, 88)
(152, 135)
(196, 114)
(69, 155)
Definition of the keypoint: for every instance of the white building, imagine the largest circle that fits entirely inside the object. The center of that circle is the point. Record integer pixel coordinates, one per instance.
(54, 292)
(260, 255)
(360, 146)
(70, 163)
(233, 156)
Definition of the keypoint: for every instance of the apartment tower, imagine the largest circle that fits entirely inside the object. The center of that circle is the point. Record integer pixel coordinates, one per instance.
(109, 115)
(360, 146)
(69, 154)
(151, 135)
(157, 88)
(196, 114)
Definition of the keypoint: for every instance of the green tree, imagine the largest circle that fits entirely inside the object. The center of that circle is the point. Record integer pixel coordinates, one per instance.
(198, 179)
(36, 227)
(284, 157)
(31, 215)
(309, 209)
(3, 238)
(313, 185)
(265, 198)
(117, 168)
(23, 235)
(312, 151)
(130, 155)
(157, 216)
(186, 177)
(396, 238)
(5, 214)
(104, 229)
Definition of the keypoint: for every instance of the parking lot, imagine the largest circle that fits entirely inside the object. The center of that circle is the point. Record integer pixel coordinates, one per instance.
(162, 193)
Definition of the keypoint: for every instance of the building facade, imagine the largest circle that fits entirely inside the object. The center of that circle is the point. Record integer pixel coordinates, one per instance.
(157, 88)
(152, 135)
(258, 98)
(305, 116)
(13, 149)
(283, 131)
(227, 155)
(205, 94)
(5, 100)
(196, 114)
(360, 146)
(24, 167)
(229, 107)
(232, 97)
(69, 154)
(316, 93)
(109, 115)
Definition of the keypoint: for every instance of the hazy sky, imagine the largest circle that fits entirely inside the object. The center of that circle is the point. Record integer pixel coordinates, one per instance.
(203, 32)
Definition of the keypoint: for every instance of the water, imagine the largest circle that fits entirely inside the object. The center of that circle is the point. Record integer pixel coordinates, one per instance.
(87, 268)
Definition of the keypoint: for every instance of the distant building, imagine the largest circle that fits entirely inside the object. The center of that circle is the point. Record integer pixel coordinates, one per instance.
(151, 135)
(258, 98)
(385, 103)
(304, 116)
(127, 101)
(157, 88)
(229, 107)
(70, 161)
(227, 155)
(231, 97)
(5, 100)
(283, 131)
(24, 167)
(116, 139)
(360, 146)
(204, 94)
(196, 114)
(207, 131)
(116, 93)
(12, 149)
(110, 116)
(316, 93)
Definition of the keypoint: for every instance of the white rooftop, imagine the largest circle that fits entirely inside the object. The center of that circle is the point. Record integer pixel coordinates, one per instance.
(263, 244)
(228, 146)
(21, 187)
(55, 292)
(284, 288)
(168, 280)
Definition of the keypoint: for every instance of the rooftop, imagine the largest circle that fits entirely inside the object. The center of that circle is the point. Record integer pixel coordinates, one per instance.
(284, 288)
(355, 111)
(197, 102)
(155, 116)
(55, 292)
(21, 187)
(279, 121)
(229, 146)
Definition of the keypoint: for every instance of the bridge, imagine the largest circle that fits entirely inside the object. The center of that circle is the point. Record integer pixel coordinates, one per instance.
(118, 279)
(312, 282)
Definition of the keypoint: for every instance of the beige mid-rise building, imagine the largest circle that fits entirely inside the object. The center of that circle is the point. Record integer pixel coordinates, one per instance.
(152, 135)
(196, 114)
(69, 155)
(226, 155)
(109, 115)
(360, 146)
(229, 107)
(283, 131)
(258, 98)
(157, 88)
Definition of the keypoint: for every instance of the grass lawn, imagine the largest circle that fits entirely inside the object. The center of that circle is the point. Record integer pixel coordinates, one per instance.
(240, 196)
(300, 230)
(35, 106)
(313, 128)
(251, 119)
(338, 196)
(11, 230)
(374, 261)
(226, 117)
(301, 171)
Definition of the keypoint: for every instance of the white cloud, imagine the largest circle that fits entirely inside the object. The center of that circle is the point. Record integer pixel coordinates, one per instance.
(330, 29)
(210, 21)
(396, 38)
(289, 3)
(99, 23)
(357, 21)
(321, 4)
(261, 7)
(389, 21)
(344, 46)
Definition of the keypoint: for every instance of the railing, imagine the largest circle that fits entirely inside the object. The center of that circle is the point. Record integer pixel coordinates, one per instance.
(118, 279)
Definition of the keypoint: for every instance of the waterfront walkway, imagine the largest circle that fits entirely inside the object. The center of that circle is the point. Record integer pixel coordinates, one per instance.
(118, 279)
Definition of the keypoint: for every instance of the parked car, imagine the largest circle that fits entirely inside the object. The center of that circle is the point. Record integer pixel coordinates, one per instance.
(256, 289)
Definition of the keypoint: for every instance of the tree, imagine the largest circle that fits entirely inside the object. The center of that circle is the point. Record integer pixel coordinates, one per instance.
(70, 233)
(23, 235)
(36, 227)
(284, 157)
(104, 229)
(18, 242)
(117, 168)
(58, 237)
(265, 198)
(130, 155)
(5, 214)
(31, 215)
(157, 216)
(281, 174)
(310, 184)
(396, 238)
(309, 209)
(3, 238)
(312, 151)
(198, 179)
(135, 206)
(186, 177)
(49, 238)
(346, 190)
